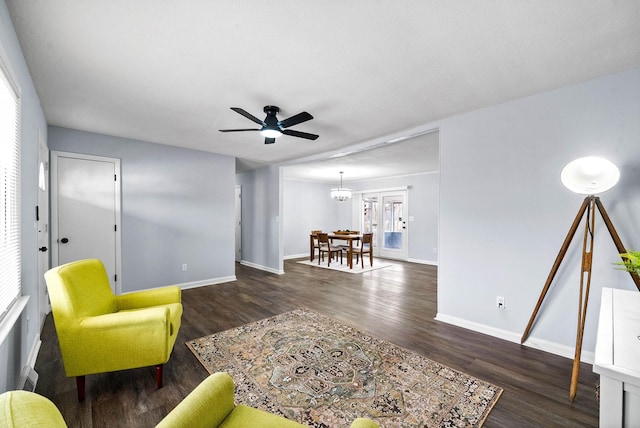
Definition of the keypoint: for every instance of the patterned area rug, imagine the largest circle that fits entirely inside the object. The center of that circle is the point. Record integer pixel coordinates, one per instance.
(322, 373)
(344, 267)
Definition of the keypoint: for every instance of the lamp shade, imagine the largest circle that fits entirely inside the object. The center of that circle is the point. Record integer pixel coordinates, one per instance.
(589, 175)
(341, 193)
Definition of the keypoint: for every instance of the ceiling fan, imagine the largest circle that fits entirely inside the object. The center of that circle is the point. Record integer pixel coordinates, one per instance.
(272, 127)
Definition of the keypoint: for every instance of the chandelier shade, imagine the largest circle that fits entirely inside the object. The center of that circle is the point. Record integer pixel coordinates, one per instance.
(341, 193)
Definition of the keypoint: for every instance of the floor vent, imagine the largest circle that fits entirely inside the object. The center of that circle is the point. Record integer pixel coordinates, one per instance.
(28, 379)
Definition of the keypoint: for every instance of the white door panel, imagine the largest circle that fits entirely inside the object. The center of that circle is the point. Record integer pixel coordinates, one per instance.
(86, 211)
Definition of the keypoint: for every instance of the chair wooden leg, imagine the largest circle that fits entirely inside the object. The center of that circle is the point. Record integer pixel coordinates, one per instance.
(80, 384)
(159, 372)
(371, 258)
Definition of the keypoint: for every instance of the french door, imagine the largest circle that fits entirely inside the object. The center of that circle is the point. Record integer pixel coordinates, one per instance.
(384, 214)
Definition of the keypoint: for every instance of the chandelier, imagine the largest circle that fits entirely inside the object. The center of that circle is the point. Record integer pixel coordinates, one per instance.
(341, 193)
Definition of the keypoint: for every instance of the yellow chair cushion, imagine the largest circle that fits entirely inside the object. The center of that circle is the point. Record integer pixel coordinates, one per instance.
(27, 409)
(245, 416)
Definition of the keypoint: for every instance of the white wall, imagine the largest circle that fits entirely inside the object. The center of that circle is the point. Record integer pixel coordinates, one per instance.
(23, 340)
(504, 212)
(178, 206)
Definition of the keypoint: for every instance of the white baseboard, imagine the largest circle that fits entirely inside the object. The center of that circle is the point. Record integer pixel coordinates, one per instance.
(33, 354)
(423, 262)
(265, 268)
(202, 283)
(28, 376)
(531, 342)
(296, 256)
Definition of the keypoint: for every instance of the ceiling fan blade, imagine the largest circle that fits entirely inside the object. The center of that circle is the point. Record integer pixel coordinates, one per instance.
(247, 115)
(237, 130)
(269, 140)
(294, 120)
(293, 133)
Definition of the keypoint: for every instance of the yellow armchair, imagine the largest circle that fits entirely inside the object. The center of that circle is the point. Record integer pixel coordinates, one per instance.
(211, 405)
(100, 332)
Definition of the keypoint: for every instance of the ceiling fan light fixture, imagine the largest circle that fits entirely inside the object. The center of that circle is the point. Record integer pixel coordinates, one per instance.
(341, 193)
(270, 133)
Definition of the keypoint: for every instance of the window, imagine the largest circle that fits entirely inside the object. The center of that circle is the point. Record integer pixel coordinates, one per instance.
(9, 191)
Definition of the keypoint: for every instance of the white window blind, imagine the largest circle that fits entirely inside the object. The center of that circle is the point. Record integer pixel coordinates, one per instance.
(9, 192)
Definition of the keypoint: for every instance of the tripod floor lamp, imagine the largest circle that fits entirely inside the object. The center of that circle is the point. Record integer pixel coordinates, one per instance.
(587, 176)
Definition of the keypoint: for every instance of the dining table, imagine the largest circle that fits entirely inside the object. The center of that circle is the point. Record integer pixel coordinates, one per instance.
(350, 238)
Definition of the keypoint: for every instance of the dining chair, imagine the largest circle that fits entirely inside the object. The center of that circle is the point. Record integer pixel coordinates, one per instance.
(325, 246)
(366, 246)
(314, 236)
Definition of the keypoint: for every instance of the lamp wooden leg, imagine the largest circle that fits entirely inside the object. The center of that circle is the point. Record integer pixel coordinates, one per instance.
(80, 384)
(159, 373)
(589, 206)
(556, 265)
(616, 238)
(583, 300)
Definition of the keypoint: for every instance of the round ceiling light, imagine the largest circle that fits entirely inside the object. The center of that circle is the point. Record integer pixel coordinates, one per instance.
(590, 175)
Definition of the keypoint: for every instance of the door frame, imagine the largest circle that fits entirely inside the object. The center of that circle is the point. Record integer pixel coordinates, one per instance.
(379, 239)
(43, 221)
(55, 155)
(238, 228)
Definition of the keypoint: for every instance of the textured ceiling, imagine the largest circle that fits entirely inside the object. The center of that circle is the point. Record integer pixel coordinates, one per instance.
(168, 71)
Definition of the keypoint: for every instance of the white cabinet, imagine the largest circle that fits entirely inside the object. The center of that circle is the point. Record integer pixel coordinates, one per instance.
(617, 358)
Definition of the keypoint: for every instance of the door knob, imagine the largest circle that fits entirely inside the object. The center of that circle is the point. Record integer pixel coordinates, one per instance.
(43, 249)
(64, 240)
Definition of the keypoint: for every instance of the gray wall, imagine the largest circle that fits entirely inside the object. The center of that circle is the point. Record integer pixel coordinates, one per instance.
(261, 226)
(423, 200)
(504, 212)
(24, 338)
(308, 206)
(178, 206)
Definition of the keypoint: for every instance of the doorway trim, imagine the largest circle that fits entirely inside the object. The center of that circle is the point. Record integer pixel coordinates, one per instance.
(42, 220)
(238, 226)
(55, 155)
(380, 193)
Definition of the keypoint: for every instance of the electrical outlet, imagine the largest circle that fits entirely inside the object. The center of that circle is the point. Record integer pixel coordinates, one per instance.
(184, 267)
(500, 302)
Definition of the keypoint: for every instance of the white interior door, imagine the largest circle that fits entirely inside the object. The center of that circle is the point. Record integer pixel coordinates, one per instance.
(86, 211)
(42, 219)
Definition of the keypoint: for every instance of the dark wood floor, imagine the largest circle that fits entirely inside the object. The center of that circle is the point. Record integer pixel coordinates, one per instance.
(397, 304)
